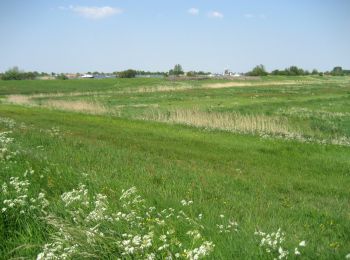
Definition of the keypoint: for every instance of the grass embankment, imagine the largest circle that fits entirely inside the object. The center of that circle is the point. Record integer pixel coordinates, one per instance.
(312, 109)
(262, 184)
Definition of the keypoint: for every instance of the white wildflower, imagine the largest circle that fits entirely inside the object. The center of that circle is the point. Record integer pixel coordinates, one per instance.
(186, 203)
(194, 233)
(302, 243)
(80, 196)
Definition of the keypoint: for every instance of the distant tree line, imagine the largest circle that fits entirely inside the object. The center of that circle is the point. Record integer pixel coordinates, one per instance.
(131, 73)
(145, 73)
(197, 73)
(296, 71)
(16, 74)
(127, 73)
(338, 71)
(178, 71)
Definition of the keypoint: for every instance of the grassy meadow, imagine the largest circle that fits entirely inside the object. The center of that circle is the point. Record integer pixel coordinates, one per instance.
(221, 165)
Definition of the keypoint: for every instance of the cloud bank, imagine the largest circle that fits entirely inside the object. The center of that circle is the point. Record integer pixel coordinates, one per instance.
(93, 12)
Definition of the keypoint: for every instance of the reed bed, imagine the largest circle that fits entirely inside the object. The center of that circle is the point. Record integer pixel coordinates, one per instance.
(233, 122)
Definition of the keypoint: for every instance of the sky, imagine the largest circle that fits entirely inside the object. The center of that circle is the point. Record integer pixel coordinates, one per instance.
(208, 35)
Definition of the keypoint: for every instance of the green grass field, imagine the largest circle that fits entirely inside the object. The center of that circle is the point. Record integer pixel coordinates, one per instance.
(265, 154)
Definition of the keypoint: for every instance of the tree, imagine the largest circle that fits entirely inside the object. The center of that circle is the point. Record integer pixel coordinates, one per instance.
(278, 72)
(127, 73)
(295, 71)
(12, 74)
(30, 75)
(16, 74)
(258, 71)
(337, 71)
(314, 72)
(191, 74)
(177, 71)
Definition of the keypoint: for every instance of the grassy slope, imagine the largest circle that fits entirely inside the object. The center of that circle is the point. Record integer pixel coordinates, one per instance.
(266, 184)
(53, 86)
(320, 96)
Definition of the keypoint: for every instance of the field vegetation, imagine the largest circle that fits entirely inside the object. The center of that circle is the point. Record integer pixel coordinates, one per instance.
(159, 169)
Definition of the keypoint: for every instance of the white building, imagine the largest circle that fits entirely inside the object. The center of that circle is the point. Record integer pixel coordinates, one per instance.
(87, 76)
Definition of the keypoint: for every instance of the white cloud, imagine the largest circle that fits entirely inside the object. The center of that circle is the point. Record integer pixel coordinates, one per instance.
(93, 12)
(193, 11)
(216, 14)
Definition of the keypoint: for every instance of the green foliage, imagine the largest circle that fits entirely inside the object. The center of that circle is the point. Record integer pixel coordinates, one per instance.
(337, 71)
(12, 74)
(196, 73)
(258, 71)
(314, 72)
(127, 73)
(294, 71)
(190, 74)
(144, 73)
(16, 74)
(177, 71)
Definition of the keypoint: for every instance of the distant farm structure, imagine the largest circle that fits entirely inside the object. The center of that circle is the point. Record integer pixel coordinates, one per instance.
(87, 76)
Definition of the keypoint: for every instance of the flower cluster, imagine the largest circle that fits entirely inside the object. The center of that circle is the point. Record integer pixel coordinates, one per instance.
(186, 203)
(227, 226)
(7, 122)
(273, 244)
(16, 199)
(6, 153)
(135, 231)
(53, 131)
(57, 250)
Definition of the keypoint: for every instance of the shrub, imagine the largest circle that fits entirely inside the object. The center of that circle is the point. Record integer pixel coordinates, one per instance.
(258, 71)
(16, 74)
(177, 71)
(127, 74)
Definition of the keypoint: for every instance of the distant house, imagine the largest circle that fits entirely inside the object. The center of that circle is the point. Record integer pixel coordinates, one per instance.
(46, 78)
(71, 75)
(87, 76)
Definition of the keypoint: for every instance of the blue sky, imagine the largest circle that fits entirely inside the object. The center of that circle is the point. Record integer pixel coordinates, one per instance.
(210, 35)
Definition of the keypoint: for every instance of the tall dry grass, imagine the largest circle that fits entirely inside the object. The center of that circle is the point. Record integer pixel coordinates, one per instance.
(233, 122)
(19, 99)
(78, 106)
